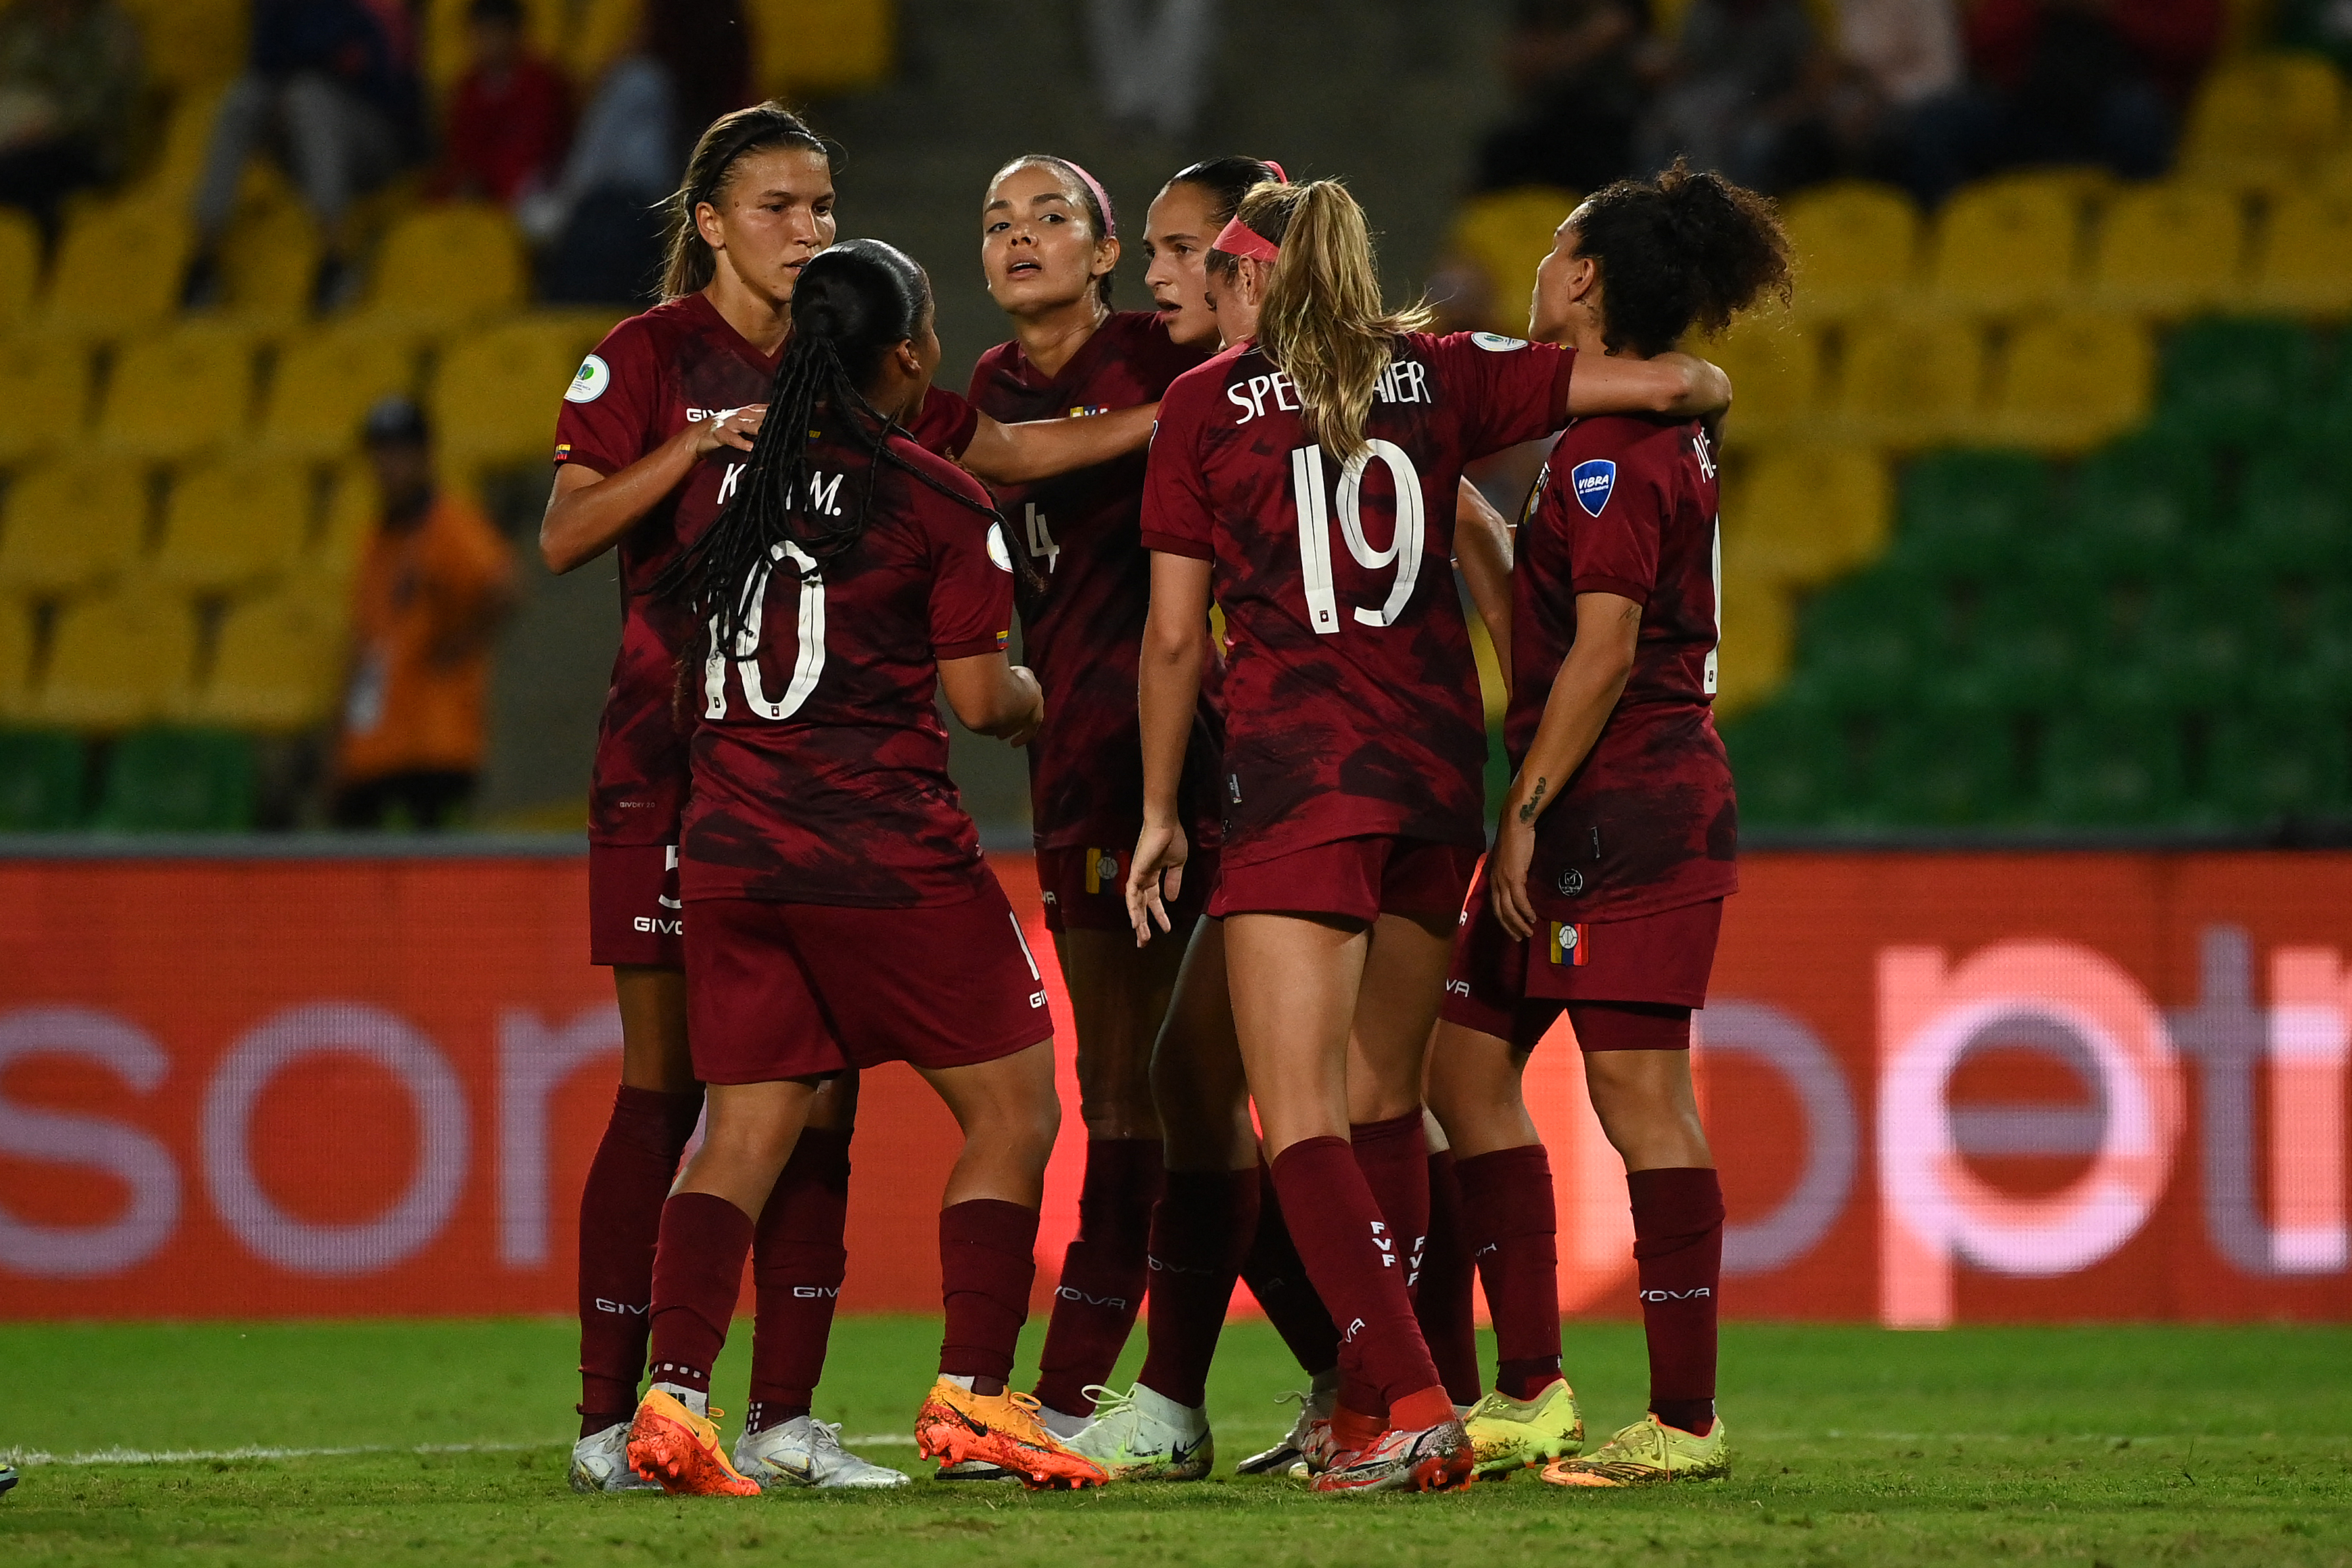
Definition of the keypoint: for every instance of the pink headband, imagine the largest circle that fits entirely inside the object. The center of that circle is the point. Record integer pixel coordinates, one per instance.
(1238, 238)
(1280, 178)
(1102, 197)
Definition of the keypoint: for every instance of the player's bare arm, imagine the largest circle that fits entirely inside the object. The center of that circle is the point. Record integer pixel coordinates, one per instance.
(1482, 548)
(1040, 448)
(994, 696)
(1590, 680)
(1175, 641)
(588, 512)
(1676, 385)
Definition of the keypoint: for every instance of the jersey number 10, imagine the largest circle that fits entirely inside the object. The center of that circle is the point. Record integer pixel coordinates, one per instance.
(811, 628)
(1403, 552)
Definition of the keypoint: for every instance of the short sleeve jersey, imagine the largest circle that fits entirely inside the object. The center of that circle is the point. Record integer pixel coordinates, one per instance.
(1084, 634)
(1628, 505)
(677, 364)
(1350, 698)
(820, 761)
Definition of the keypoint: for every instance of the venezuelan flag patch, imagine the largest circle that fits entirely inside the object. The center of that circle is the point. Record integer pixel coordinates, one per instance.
(1572, 945)
(1102, 871)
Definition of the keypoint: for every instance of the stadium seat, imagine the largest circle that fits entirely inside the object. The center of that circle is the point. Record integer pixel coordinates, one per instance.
(230, 528)
(1757, 628)
(2008, 244)
(20, 269)
(2200, 640)
(2111, 764)
(1967, 514)
(2269, 763)
(442, 267)
(1776, 375)
(353, 514)
(2140, 503)
(41, 780)
(44, 387)
(118, 660)
(2238, 380)
(70, 525)
(178, 781)
(1789, 763)
(495, 396)
(16, 656)
(1912, 381)
(604, 32)
(323, 385)
(176, 396)
(2169, 249)
(2262, 120)
(2294, 511)
(269, 262)
(1504, 233)
(1808, 514)
(1857, 245)
(447, 49)
(118, 269)
(815, 48)
(2073, 382)
(2301, 267)
(278, 664)
(1866, 642)
(192, 43)
(1943, 766)
(2028, 642)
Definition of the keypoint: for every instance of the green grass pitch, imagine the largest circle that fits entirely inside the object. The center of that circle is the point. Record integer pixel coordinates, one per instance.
(2118, 1445)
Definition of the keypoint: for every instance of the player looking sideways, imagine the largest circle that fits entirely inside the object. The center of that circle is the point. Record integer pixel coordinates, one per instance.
(1354, 742)
(838, 910)
(651, 439)
(1604, 891)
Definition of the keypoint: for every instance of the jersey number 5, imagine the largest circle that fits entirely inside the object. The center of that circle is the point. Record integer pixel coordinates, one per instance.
(1403, 552)
(810, 626)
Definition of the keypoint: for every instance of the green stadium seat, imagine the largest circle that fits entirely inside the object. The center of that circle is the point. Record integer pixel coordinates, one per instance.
(2295, 509)
(1965, 512)
(41, 780)
(2238, 379)
(1866, 642)
(2115, 760)
(1944, 764)
(2029, 639)
(2139, 502)
(1789, 764)
(179, 781)
(2270, 763)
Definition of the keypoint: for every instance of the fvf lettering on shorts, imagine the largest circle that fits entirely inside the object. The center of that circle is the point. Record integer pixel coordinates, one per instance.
(1404, 381)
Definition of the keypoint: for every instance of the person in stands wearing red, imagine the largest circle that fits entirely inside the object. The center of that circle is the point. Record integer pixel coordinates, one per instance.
(839, 912)
(652, 441)
(1351, 806)
(1604, 891)
(510, 117)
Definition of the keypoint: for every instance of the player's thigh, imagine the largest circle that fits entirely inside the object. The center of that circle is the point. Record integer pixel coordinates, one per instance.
(1404, 981)
(1475, 1089)
(1645, 1103)
(748, 1131)
(1197, 1083)
(653, 1050)
(1294, 981)
(834, 1109)
(1119, 994)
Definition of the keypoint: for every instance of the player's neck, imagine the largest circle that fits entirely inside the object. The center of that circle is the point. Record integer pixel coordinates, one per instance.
(1050, 339)
(1586, 338)
(763, 322)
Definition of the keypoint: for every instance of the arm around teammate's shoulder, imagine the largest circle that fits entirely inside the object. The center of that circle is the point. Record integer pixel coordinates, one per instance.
(1040, 448)
(1675, 384)
(994, 696)
(588, 512)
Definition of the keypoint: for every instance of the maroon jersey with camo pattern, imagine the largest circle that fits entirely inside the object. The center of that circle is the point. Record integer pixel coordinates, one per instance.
(820, 762)
(1351, 699)
(1084, 634)
(653, 375)
(1628, 505)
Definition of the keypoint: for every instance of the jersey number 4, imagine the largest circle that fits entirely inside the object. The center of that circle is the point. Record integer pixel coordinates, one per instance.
(810, 624)
(1404, 549)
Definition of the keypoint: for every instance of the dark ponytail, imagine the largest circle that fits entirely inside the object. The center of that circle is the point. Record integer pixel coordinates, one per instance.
(689, 262)
(854, 305)
(1686, 249)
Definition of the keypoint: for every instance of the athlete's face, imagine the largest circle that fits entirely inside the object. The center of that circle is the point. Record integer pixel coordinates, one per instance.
(1176, 235)
(1038, 249)
(1236, 293)
(1568, 293)
(773, 214)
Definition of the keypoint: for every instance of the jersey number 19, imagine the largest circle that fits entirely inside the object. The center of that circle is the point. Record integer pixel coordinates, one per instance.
(1404, 549)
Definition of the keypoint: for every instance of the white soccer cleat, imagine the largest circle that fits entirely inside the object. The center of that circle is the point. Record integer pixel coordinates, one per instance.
(1307, 1444)
(974, 1470)
(807, 1452)
(1142, 1435)
(600, 1462)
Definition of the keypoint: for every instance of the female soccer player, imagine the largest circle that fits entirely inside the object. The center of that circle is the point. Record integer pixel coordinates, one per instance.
(838, 909)
(1354, 737)
(650, 445)
(1605, 889)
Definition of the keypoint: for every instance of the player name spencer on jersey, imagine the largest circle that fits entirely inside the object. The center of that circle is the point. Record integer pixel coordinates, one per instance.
(1405, 380)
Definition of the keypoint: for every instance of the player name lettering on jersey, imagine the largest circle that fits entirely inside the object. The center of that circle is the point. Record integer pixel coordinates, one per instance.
(1404, 381)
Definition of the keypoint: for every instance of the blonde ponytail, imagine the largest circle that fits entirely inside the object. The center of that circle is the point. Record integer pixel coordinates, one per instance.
(1322, 323)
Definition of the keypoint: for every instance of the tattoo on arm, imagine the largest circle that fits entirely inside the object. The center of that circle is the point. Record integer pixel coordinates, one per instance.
(1528, 810)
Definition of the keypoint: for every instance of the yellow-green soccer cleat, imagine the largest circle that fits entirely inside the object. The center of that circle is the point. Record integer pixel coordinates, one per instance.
(1508, 1434)
(1647, 1454)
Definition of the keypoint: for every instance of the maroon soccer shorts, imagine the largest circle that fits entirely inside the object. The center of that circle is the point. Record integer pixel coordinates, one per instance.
(1657, 964)
(1086, 890)
(1355, 879)
(799, 991)
(633, 914)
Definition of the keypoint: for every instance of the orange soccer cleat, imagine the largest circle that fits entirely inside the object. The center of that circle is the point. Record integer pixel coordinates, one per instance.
(672, 1446)
(956, 1425)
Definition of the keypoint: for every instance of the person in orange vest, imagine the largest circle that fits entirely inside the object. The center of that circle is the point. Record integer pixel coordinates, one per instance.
(434, 586)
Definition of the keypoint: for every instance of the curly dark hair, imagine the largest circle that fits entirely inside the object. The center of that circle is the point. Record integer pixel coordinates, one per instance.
(1688, 248)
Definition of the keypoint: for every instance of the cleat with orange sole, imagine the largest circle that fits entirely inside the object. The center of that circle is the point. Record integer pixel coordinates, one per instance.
(679, 1452)
(956, 1425)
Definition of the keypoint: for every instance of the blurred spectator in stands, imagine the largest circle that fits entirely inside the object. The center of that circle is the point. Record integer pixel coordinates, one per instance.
(1152, 58)
(69, 78)
(1883, 102)
(1576, 68)
(510, 115)
(2324, 26)
(431, 593)
(1740, 76)
(601, 236)
(333, 85)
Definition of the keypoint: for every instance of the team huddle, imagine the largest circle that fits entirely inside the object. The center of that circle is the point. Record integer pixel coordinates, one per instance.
(1305, 985)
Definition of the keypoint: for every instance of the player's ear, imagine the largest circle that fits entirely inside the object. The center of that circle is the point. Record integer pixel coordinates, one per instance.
(908, 358)
(707, 224)
(1107, 255)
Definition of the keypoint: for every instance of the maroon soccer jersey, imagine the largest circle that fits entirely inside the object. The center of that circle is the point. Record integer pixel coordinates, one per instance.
(1084, 634)
(820, 762)
(1628, 505)
(654, 374)
(1350, 698)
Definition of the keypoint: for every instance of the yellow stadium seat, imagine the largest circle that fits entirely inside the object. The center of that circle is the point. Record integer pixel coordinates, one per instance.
(2264, 120)
(447, 267)
(1504, 233)
(2170, 250)
(1805, 514)
(2007, 244)
(16, 657)
(70, 525)
(1857, 246)
(187, 43)
(2073, 382)
(177, 165)
(1910, 382)
(1776, 378)
(278, 664)
(351, 517)
(446, 47)
(604, 31)
(269, 262)
(118, 660)
(20, 268)
(180, 395)
(44, 387)
(2306, 255)
(323, 385)
(495, 396)
(118, 269)
(1759, 639)
(817, 47)
(233, 527)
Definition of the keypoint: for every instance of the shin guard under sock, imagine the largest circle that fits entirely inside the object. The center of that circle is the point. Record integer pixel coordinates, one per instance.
(798, 1261)
(1507, 1205)
(1203, 1223)
(1102, 1282)
(620, 1215)
(697, 1273)
(1678, 1251)
(988, 1259)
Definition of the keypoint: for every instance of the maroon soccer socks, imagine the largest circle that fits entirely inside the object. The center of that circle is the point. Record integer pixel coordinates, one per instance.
(620, 1217)
(798, 1261)
(1678, 1251)
(1506, 1200)
(1103, 1272)
(1203, 1223)
(988, 1259)
(697, 1273)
